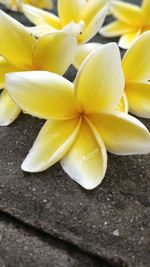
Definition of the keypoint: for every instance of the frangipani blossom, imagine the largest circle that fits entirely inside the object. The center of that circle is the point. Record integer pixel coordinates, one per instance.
(87, 15)
(20, 51)
(131, 22)
(15, 5)
(81, 121)
(136, 68)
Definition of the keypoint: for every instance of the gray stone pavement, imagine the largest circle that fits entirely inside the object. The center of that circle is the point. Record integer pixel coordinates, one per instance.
(22, 246)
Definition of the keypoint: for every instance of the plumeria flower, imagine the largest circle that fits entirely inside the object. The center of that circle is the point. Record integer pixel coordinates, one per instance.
(20, 51)
(81, 121)
(136, 68)
(15, 5)
(88, 16)
(131, 22)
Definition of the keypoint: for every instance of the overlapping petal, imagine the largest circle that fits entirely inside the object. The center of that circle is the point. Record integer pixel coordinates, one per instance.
(146, 11)
(70, 10)
(9, 111)
(99, 83)
(41, 17)
(16, 43)
(40, 30)
(42, 94)
(128, 39)
(126, 12)
(138, 95)
(15, 5)
(5, 67)
(48, 4)
(83, 51)
(123, 104)
(74, 29)
(53, 141)
(93, 16)
(116, 28)
(55, 52)
(136, 62)
(86, 161)
(92, 8)
(122, 133)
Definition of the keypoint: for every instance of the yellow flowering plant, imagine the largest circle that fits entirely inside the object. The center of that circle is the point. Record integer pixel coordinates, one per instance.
(136, 68)
(16, 5)
(131, 21)
(20, 51)
(84, 17)
(81, 118)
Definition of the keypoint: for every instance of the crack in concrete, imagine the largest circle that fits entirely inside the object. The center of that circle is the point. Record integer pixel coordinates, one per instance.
(49, 239)
(140, 197)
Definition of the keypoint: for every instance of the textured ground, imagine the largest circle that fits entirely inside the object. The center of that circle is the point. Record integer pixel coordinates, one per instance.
(47, 220)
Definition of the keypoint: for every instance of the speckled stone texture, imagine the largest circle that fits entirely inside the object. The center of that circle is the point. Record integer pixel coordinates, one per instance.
(111, 222)
(21, 246)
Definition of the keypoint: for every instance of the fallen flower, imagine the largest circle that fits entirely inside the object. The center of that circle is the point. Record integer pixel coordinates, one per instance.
(131, 22)
(20, 51)
(88, 15)
(81, 121)
(15, 5)
(136, 68)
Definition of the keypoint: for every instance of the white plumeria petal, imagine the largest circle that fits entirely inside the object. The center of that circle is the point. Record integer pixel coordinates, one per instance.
(9, 111)
(53, 141)
(99, 84)
(122, 133)
(86, 161)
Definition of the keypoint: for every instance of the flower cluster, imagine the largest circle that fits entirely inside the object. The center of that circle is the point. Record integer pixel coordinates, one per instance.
(15, 5)
(88, 117)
